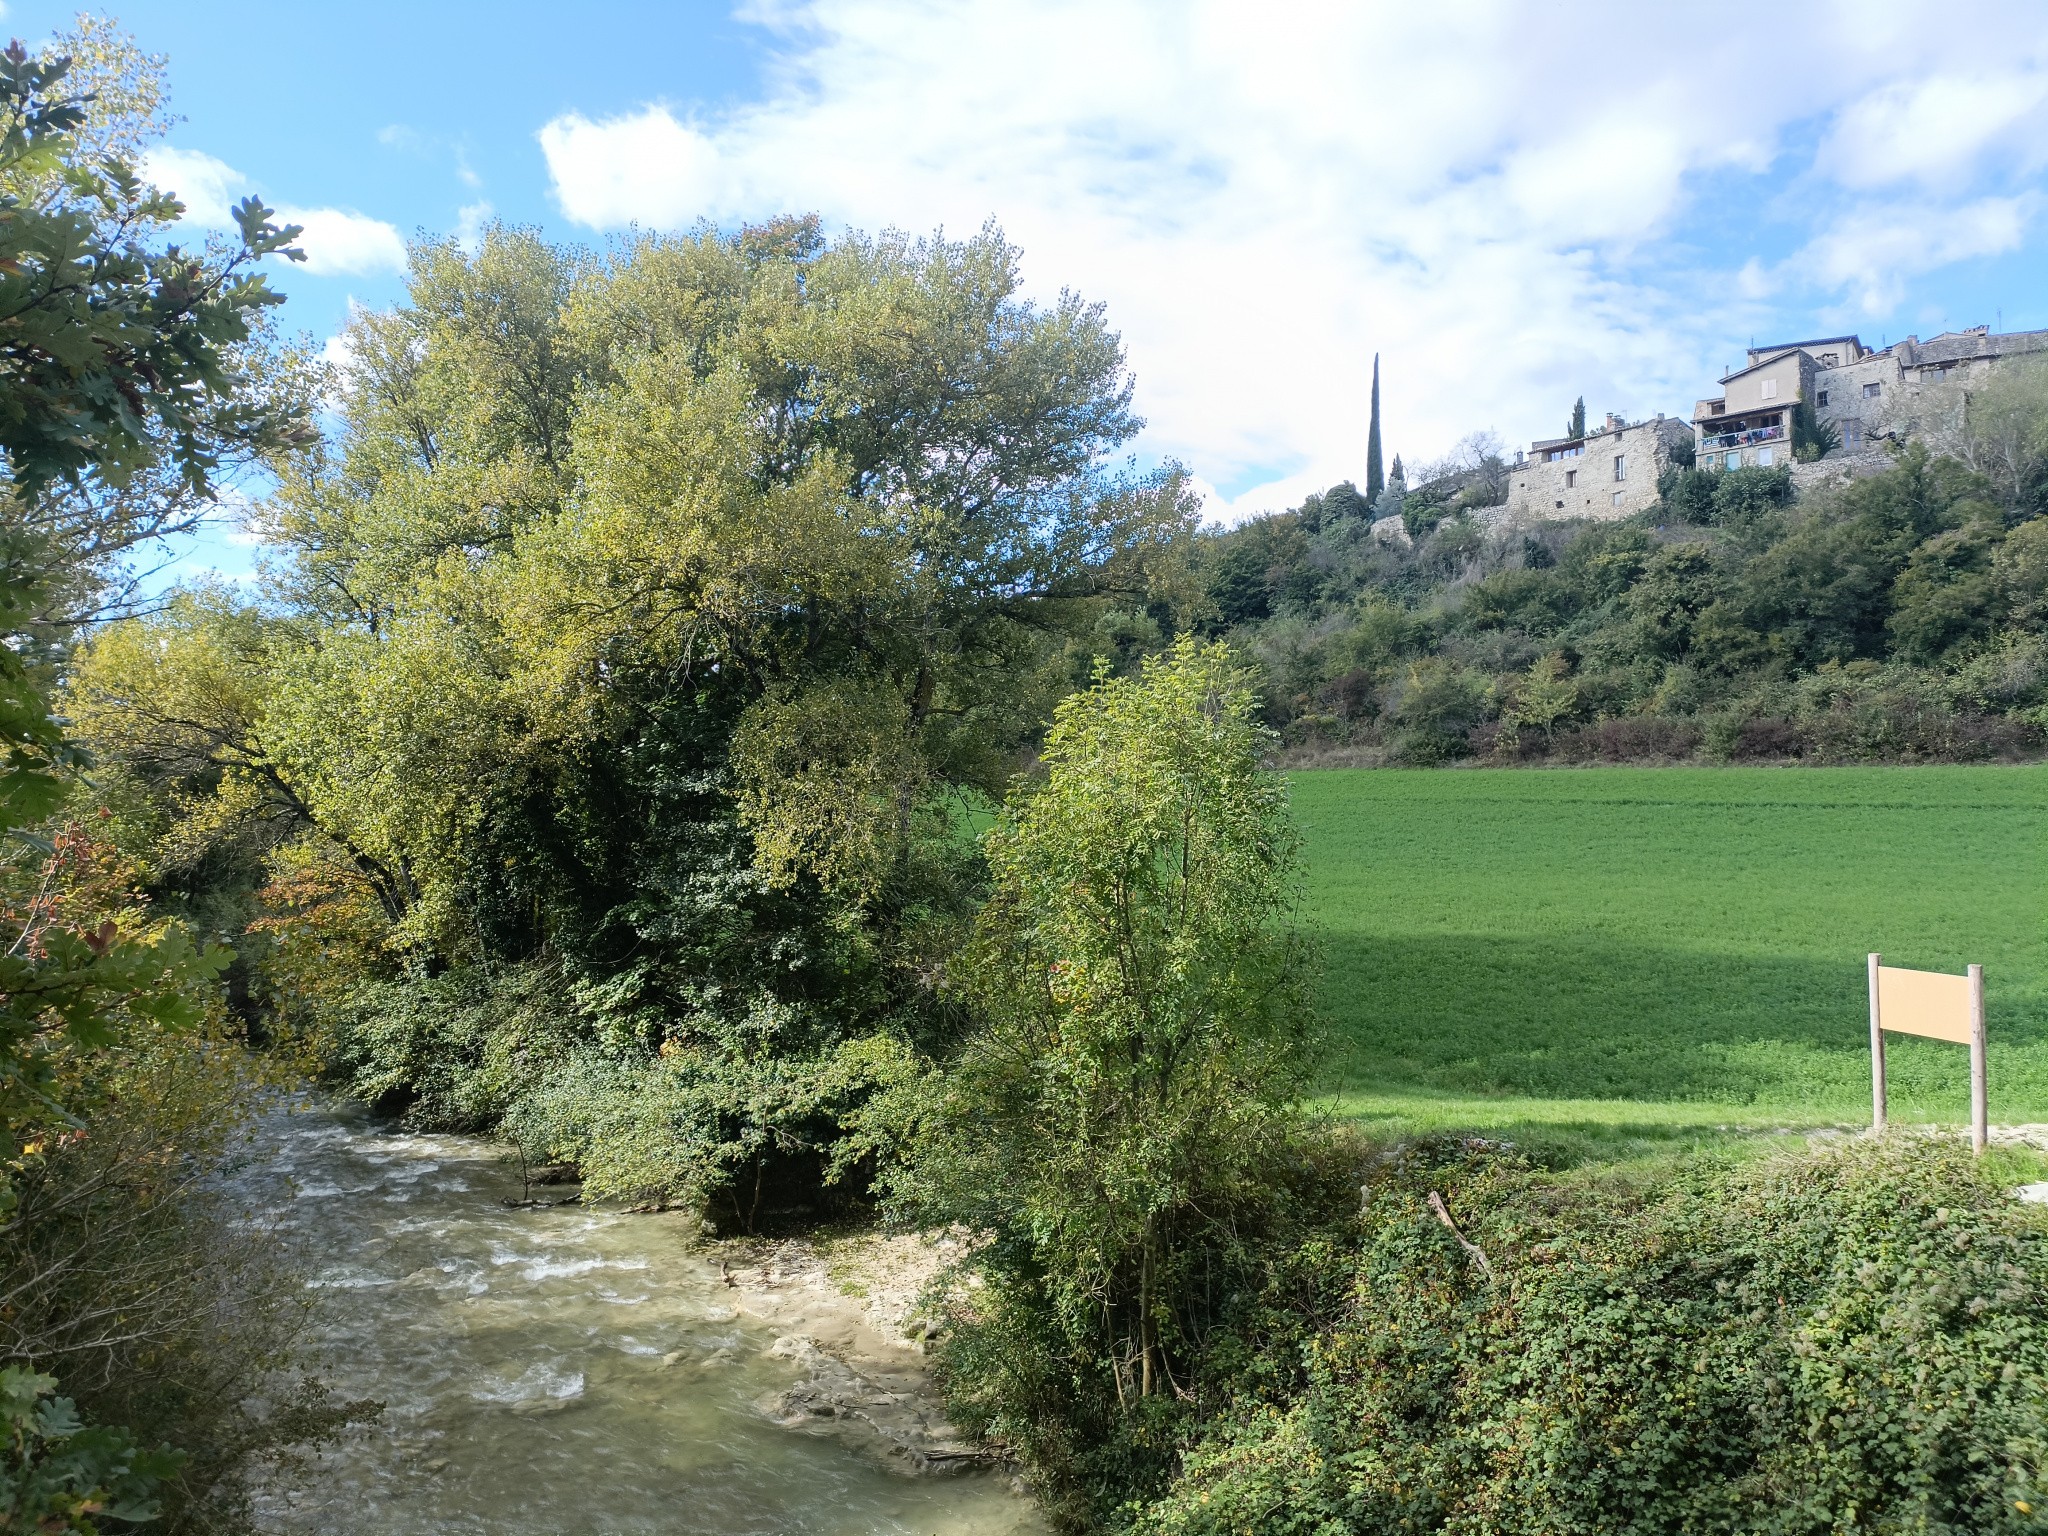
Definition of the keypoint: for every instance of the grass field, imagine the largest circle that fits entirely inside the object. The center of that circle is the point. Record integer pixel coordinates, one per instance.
(1660, 954)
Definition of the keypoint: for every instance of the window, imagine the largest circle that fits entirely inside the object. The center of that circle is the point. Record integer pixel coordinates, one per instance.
(1821, 398)
(1571, 478)
(1872, 390)
(1621, 466)
(1716, 407)
(1617, 498)
(1763, 458)
(1769, 391)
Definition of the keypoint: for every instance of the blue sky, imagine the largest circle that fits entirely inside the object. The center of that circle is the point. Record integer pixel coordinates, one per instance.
(1515, 204)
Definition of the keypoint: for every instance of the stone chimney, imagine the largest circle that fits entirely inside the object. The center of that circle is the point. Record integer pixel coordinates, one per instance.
(1614, 422)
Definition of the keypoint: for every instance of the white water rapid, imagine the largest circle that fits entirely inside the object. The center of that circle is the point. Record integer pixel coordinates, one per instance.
(550, 1371)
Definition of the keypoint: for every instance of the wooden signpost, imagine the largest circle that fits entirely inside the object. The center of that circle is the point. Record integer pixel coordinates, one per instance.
(1939, 1006)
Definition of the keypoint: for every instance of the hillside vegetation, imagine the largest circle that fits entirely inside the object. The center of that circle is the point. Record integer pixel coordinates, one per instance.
(1898, 618)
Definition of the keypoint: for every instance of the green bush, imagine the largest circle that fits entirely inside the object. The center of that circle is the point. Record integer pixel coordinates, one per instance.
(747, 1142)
(1854, 1339)
(1437, 705)
(60, 1475)
(449, 1053)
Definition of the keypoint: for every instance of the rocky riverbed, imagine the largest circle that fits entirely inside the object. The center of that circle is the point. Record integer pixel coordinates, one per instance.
(551, 1368)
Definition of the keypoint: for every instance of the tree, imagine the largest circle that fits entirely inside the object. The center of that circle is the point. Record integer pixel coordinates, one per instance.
(1812, 438)
(1375, 480)
(2005, 433)
(1576, 427)
(1340, 500)
(117, 360)
(138, 374)
(132, 380)
(1545, 698)
(1147, 1019)
(1394, 494)
(634, 637)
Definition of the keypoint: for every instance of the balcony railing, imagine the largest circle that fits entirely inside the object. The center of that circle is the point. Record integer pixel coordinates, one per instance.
(1743, 439)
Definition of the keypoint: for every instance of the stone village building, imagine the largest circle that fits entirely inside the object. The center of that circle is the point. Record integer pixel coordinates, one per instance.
(1864, 400)
(1610, 472)
(1867, 399)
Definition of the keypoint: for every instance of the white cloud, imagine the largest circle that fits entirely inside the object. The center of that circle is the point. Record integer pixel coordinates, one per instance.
(1935, 129)
(205, 186)
(470, 220)
(1873, 252)
(645, 166)
(338, 242)
(1483, 191)
(339, 351)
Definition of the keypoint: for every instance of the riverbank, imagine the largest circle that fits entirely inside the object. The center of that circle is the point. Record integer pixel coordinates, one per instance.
(845, 1309)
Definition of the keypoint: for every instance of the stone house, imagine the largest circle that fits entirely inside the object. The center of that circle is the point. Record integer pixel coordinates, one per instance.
(1909, 389)
(1609, 473)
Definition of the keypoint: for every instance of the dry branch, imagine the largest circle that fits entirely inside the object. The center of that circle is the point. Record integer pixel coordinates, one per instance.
(1436, 1203)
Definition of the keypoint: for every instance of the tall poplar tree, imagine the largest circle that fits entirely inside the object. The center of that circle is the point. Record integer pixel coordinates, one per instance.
(1375, 479)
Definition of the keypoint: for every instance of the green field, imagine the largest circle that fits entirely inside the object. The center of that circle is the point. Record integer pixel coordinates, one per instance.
(1660, 953)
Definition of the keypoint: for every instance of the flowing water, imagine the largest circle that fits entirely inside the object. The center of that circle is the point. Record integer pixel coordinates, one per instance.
(550, 1370)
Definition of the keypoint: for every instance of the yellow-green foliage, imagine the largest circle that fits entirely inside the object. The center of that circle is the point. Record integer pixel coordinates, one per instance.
(822, 487)
(1144, 995)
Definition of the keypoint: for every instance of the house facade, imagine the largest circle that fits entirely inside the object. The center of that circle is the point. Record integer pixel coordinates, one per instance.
(1609, 473)
(1858, 399)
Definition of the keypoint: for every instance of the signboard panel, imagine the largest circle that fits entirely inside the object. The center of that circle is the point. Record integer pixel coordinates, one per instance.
(1940, 1006)
(1929, 1003)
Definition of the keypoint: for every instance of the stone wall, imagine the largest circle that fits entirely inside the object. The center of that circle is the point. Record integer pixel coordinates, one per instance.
(1838, 468)
(1907, 403)
(1586, 485)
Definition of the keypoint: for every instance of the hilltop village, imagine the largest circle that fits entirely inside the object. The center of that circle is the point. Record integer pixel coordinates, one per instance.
(1829, 409)
(1838, 554)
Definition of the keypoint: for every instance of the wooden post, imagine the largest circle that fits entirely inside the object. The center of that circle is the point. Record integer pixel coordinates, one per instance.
(1876, 1056)
(1980, 1097)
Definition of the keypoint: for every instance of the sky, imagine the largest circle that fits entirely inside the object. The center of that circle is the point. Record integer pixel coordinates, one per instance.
(1512, 205)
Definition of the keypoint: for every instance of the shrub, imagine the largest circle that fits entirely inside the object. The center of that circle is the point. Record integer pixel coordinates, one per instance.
(133, 1275)
(1438, 704)
(57, 1474)
(1631, 738)
(750, 1144)
(1854, 1339)
(1770, 736)
(1120, 1121)
(1743, 496)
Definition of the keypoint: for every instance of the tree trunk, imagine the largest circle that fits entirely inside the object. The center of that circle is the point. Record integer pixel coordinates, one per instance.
(1145, 1315)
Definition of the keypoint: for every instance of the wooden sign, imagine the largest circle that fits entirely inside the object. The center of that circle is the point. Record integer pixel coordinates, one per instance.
(1939, 1006)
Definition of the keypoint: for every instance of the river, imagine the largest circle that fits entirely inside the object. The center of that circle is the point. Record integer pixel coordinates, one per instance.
(556, 1371)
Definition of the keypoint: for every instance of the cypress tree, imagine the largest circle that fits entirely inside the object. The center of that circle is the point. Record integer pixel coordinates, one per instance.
(1576, 427)
(1375, 481)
